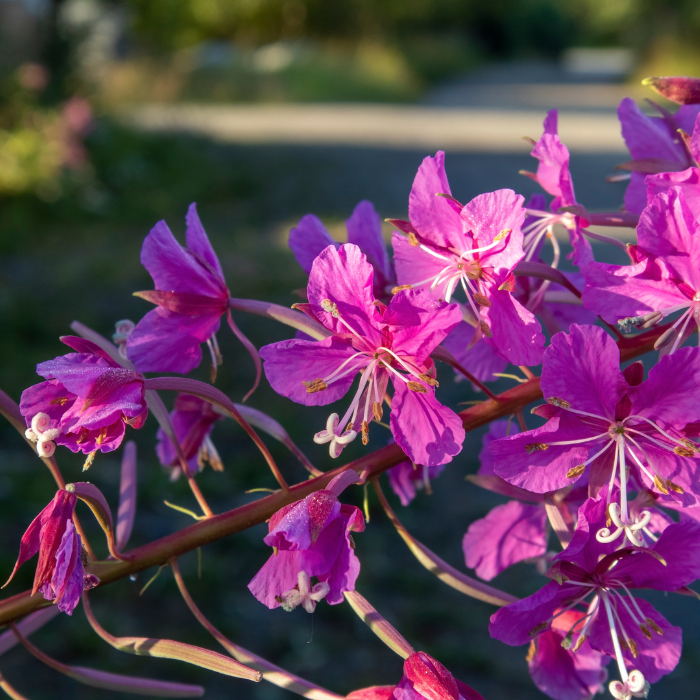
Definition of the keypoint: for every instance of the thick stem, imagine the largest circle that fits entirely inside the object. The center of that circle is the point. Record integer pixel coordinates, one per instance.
(271, 673)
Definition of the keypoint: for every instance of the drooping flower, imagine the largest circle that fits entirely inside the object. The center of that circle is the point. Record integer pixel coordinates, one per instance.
(193, 420)
(600, 577)
(609, 425)
(380, 342)
(86, 402)
(655, 146)
(560, 673)
(311, 538)
(424, 678)
(664, 280)
(475, 246)
(60, 575)
(554, 176)
(310, 237)
(191, 297)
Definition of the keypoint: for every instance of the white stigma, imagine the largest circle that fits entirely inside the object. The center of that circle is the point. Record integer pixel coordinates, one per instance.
(122, 331)
(43, 435)
(630, 529)
(303, 594)
(636, 686)
(337, 438)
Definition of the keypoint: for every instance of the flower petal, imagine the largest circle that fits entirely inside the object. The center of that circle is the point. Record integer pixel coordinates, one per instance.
(278, 575)
(365, 231)
(308, 239)
(198, 242)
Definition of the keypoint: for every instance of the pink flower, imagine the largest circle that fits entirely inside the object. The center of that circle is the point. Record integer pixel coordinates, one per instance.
(380, 342)
(191, 297)
(59, 573)
(599, 576)
(560, 673)
(311, 538)
(193, 420)
(424, 678)
(476, 246)
(86, 402)
(554, 176)
(610, 425)
(655, 146)
(406, 477)
(310, 237)
(664, 280)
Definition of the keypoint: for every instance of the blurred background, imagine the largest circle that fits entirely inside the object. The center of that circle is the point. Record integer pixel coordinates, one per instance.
(114, 115)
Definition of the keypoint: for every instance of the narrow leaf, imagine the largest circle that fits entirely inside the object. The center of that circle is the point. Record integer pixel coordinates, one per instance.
(127, 495)
(114, 681)
(279, 313)
(170, 649)
(446, 573)
(27, 626)
(381, 627)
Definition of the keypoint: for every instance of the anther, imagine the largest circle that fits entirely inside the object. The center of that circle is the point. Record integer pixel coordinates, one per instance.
(683, 451)
(62, 400)
(674, 487)
(579, 642)
(633, 648)
(502, 235)
(690, 444)
(540, 628)
(330, 307)
(365, 432)
(485, 329)
(559, 403)
(377, 410)
(412, 239)
(660, 485)
(315, 385)
(575, 471)
(480, 299)
(567, 641)
(536, 447)
(623, 642)
(90, 459)
(655, 627)
(418, 388)
(429, 380)
(401, 287)
(645, 631)
(531, 651)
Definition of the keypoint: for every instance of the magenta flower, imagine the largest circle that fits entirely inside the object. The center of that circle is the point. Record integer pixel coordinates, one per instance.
(594, 574)
(86, 402)
(193, 420)
(655, 146)
(560, 673)
(479, 358)
(610, 425)
(554, 176)
(310, 238)
(311, 538)
(59, 572)
(380, 342)
(424, 678)
(476, 246)
(665, 279)
(191, 297)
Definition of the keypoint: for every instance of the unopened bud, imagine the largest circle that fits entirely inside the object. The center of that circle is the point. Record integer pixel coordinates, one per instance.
(330, 307)
(418, 388)
(315, 385)
(575, 471)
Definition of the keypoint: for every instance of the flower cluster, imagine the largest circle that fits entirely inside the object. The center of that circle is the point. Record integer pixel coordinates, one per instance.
(613, 472)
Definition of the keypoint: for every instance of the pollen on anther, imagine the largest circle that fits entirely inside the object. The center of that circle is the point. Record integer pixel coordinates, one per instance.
(377, 410)
(401, 287)
(480, 299)
(330, 307)
(540, 628)
(536, 447)
(645, 631)
(683, 451)
(315, 385)
(575, 471)
(412, 239)
(418, 388)
(502, 235)
(655, 627)
(365, 432)
(579, 643)
(485, 329)
(660, 485)
(429, 380)
(559, 403)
